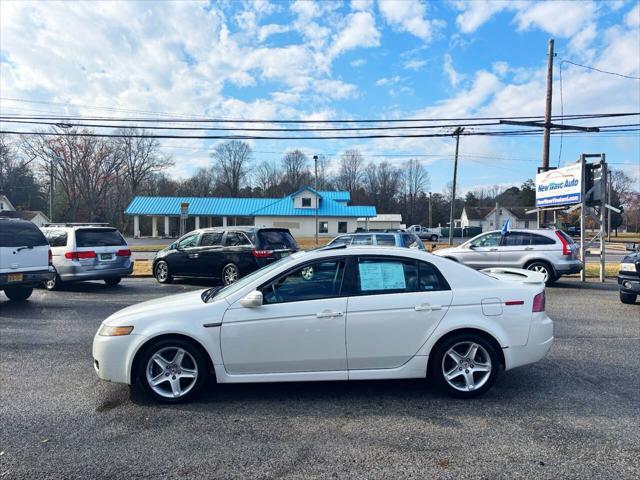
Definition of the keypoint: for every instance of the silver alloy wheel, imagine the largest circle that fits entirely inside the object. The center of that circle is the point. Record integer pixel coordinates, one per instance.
(540, 269)
(307, 273)
(172, 378)
(466, 366)
(162, 271)
(51, 284)
(229, 274)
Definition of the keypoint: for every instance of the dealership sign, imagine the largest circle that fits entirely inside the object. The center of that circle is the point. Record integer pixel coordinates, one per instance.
(562, 186)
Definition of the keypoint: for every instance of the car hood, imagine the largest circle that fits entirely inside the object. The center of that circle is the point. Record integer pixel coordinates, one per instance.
(185, 306)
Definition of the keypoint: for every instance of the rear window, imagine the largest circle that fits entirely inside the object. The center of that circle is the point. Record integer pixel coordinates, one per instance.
(386, 240)
(276, 240)
(57, 238)
(99, 237)
(20, 234)
(542, 240)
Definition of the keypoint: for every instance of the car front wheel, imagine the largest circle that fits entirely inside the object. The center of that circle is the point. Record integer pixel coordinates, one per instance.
(172, 371)
(161, 272)
(465, 365)
(628, 298)
(18, 294)
(433, 238)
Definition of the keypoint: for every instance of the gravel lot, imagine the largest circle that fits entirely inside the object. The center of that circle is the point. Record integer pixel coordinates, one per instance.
(573, 415)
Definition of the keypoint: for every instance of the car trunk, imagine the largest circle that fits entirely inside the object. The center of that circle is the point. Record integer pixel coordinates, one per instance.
(101, 249)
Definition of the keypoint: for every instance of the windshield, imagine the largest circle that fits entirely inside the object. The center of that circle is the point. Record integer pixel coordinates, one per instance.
(208, 295)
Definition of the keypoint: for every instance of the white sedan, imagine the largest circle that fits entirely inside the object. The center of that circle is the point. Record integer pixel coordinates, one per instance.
(354, 313)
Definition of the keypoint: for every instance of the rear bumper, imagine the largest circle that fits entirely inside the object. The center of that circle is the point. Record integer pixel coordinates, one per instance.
(73, 273)
(538, 344)
(568, 268)
(629, 283)
(28, 278)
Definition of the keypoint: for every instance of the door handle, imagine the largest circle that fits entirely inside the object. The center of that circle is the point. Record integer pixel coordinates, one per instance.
(424, 307)
(328, 314)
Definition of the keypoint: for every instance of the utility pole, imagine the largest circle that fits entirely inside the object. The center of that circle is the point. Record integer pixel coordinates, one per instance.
(51, 190)
(547, 118)
(430, 210)
(315, 162)
(609, 187)
(456, 134)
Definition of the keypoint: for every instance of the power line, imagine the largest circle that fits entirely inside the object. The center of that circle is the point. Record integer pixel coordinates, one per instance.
(598, 70)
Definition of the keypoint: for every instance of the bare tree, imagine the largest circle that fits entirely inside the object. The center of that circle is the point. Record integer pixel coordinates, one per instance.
(382, 184)
(267, 178)
(232, 160)
(416, 181)
(201, 184)
(350, 170)
(296, 172)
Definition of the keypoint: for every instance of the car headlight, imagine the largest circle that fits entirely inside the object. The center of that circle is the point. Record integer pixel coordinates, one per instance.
(627, 267)
(113, 331)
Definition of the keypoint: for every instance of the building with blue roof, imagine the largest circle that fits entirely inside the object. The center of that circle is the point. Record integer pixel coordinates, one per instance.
(297, 212)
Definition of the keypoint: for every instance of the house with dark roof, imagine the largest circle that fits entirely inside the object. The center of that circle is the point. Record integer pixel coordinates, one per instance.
(297, 212)
(492, 218)
(7, 210)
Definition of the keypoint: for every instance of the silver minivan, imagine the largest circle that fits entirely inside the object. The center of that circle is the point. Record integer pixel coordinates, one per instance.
(87, 252)
(550, 252)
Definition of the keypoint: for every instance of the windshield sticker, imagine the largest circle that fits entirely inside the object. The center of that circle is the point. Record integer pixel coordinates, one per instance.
(381, 276)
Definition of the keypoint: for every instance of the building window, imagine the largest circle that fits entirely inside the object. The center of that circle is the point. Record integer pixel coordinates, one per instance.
(306, 201)
(342, 227)
(323, 227)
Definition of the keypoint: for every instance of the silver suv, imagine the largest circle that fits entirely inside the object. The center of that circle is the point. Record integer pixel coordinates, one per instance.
(550, 252)
(87, 252)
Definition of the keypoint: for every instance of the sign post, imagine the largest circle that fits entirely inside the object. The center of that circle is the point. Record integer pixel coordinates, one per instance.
(184, 214)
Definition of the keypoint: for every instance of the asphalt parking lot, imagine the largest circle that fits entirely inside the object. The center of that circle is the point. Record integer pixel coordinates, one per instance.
(576, 414)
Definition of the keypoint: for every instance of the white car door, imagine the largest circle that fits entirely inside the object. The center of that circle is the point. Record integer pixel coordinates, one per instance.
(299, 328)
(396, 306)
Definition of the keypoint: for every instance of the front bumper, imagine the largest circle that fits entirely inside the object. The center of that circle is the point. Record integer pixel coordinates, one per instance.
(538, 344)
(31, 278)
(629, 283)
(75, 273)
(112, 356)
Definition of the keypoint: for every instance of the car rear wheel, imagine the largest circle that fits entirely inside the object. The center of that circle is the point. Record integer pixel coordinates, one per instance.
(628, 298)
(433, 238)
(544, 269)
(112, 281)
(161, 272)
(465, 365)
(230, 274)
(53, 284)
(172, 370)
(18, 294)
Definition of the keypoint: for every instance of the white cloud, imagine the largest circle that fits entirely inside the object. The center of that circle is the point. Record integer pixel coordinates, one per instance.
(632, 18)
(454, 77)
(358, 62)
(409, 16)
(476, 13)
(388, 81)
(415, 64)
(271, 29)
(362, 5)
(335, 89)
(359, 31)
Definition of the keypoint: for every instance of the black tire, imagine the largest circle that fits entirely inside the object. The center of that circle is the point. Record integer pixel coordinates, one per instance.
(53, 284)
(433, 238)
(168, 345)
(230, 274)
(162, 273)
(542, 267)
(628, 298)
(18, 293)
(439, 364)
(112, 281)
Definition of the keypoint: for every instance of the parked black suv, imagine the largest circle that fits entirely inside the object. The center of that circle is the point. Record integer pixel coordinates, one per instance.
(629, 275)
(226, 253)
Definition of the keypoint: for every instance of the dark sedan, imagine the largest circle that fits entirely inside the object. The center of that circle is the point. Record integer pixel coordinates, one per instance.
(222, 253)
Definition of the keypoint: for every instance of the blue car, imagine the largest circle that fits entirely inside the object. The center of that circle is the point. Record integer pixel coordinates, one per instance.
(387, 239)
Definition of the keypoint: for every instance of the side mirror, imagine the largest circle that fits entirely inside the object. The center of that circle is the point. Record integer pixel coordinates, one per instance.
(630, 247)
(173, 246)
(252, 300)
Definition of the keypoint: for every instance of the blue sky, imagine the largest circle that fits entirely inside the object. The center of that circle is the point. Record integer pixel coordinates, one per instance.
(328, 60)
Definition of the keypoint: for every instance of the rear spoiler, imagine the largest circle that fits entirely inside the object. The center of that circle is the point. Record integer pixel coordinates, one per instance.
(515, 275)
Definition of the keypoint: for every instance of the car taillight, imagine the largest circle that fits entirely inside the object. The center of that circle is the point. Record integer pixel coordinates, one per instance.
(565, 245)
(262, 253)
(538, 303)
(125, 252)
(50, 258)
(79, 255)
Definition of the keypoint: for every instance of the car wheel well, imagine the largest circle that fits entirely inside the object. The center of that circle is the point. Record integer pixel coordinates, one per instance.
(152, 341)
(490, 338)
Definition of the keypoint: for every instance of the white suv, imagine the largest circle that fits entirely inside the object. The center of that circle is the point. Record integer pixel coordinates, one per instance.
(25, 258)
(87, 252)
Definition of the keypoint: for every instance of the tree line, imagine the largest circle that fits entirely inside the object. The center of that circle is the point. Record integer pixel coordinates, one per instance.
(95, 178)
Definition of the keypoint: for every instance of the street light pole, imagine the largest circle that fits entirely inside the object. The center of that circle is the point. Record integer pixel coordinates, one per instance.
(430, 210)
(456, 134)
(315, 161)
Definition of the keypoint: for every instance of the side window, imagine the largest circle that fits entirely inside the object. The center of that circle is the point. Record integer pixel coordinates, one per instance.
(235, 239)
(362, 240)
(210, 239)
(411, 240)
(541, 240)
(189, 241)
(306, 202)
(313, 281)
(386, 275)
(343, 240)
(516, 239)
(487, 240)
(431, 280)
(386, 240)
(56, 238)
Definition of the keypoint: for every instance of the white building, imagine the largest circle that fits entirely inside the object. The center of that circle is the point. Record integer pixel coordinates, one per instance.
(492, 218)
(297, 212)
(8, 210)
(381, 222)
